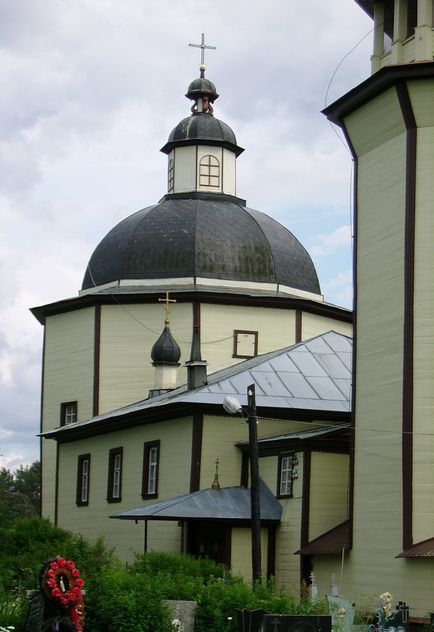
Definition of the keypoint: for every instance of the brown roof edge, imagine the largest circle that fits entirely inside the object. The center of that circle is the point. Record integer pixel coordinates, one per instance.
(374, 85)
(89, 300)
(425, 548)
(329, 543)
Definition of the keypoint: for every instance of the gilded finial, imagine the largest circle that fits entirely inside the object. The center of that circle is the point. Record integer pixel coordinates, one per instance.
(215, 484)
(166, 307)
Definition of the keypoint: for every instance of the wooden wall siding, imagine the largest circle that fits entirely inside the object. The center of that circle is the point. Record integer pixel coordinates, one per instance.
(276, 329)
(68, 376)
(374, 124)
(241, 548)
(328, 492)
(288, 536)
(126, 372)
(218, 439)
(185, 168)
(312, 325)
(423, 400)
(229, 167)
(174, 479)
(377, 536)
(380, 279)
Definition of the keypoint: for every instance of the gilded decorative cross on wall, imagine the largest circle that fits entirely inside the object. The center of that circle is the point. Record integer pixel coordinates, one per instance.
(202, 47)
(166, 306)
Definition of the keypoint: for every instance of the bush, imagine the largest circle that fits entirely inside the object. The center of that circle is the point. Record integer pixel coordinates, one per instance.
(122, 601)
(13, 608)
(27, 544)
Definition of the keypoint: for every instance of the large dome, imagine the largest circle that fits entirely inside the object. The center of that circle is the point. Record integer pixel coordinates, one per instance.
(207, 237)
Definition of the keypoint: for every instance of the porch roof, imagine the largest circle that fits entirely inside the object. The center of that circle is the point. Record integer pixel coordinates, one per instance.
(225, 504)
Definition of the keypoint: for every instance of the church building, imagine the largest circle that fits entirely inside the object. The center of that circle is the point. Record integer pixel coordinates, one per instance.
(135, 443)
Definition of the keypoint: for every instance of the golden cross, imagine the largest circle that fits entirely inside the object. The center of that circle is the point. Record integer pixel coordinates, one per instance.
(166, 306)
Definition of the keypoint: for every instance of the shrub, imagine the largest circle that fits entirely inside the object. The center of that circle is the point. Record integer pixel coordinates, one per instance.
(122, 601)
(27, 544)
(13, 608)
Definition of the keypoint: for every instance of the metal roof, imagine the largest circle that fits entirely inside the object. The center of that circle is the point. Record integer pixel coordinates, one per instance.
(314, 375)
(228, 503)
(421, 549)
(330, 543)
(208, 236)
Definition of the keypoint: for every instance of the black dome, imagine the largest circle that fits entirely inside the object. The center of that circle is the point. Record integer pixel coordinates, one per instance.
(202, 127)
(211, 238)
(166, 349)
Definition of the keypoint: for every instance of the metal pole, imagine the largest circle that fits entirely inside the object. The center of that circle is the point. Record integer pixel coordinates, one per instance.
(254, 485)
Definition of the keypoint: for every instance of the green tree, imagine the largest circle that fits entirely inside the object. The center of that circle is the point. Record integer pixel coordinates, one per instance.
(19, 493)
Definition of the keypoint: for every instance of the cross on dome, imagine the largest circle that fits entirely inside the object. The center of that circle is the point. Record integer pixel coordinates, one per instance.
(166, 306)
(202, 47)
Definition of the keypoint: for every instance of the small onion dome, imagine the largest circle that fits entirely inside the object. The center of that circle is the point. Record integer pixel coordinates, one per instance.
(166, 349)
(202, 87)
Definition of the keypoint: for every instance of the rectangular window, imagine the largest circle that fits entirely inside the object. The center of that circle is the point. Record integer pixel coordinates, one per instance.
(286, 474)
(114, 478)
(245, 343)
(68, 413)
(83, 479)
(151, 458)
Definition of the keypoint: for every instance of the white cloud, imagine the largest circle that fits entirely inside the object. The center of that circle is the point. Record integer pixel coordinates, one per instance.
(327, 244)
(90, 92)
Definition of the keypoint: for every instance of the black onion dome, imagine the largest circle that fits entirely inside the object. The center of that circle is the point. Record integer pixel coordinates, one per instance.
(201, 87)
(204, 128)
(210, 238)
(166, 349)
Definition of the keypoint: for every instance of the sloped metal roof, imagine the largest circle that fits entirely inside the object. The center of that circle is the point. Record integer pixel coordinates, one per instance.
(330, 543)
(313, 375)
(228, 503)
(421, 549)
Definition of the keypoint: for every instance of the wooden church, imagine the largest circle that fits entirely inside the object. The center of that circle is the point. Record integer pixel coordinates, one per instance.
(135, 443)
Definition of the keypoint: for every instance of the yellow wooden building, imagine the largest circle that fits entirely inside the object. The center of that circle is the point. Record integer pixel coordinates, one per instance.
(120, 433)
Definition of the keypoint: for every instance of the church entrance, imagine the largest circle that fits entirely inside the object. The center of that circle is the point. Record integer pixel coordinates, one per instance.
(209, 539)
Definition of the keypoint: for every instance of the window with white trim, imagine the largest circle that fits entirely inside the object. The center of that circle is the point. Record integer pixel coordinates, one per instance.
(68, 413)
(114, 478)
(151, 459)
(83, 479)
(286, 474)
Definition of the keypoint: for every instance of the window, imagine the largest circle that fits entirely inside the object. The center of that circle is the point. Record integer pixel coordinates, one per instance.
(83, 474)
(245, 343)
(114, 479)
(209, 171)
(151, 458)
(68, 413)
(171, 176)
(286, 474)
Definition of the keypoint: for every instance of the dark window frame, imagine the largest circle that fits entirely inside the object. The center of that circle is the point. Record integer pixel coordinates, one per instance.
(171, 175)
(63, 412)
(294, 461)
(82, 458)
(235, 353)
(147, 448)
(113, 454)
(206, 177)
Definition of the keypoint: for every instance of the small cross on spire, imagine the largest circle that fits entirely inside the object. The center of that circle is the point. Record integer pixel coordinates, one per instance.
(202, 47)
(166, 306)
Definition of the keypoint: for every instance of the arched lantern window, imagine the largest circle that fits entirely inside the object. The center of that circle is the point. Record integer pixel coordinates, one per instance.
(209, 171)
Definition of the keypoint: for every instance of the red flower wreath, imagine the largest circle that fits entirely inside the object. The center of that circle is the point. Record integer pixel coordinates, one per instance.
(62, 582)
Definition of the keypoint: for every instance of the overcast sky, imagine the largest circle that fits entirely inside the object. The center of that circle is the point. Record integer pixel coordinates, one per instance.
(90, 92)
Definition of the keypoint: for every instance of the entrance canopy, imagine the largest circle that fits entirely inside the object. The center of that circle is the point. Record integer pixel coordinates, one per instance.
(229, 504)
